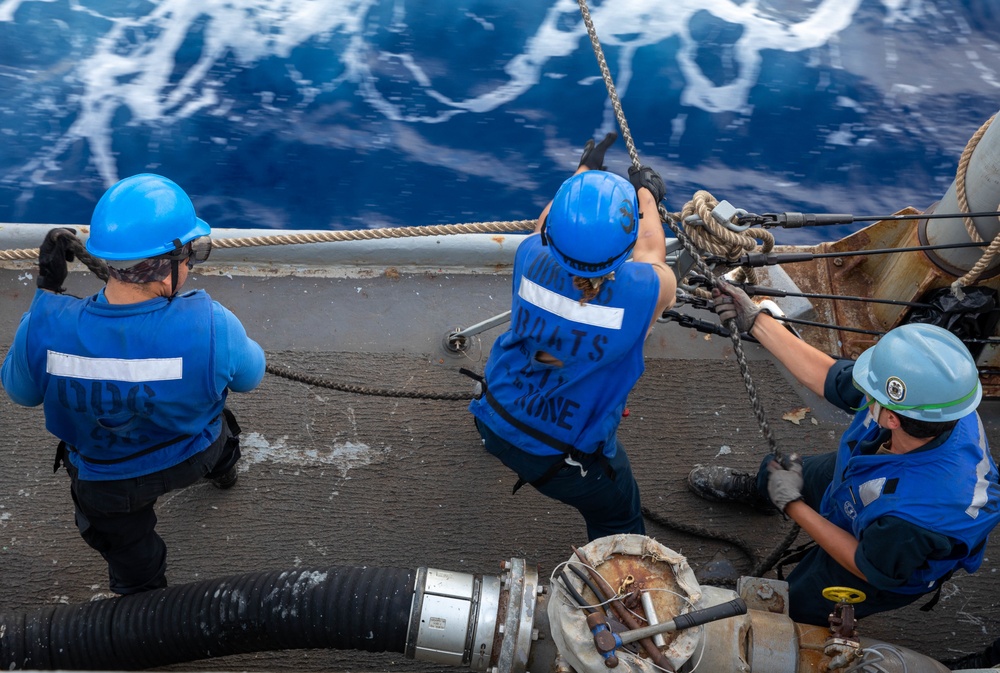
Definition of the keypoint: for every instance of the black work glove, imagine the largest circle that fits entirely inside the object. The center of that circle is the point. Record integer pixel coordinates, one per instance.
(55, 251)
(732, 302)
(785, 481)
(593, 155)
(644, 176)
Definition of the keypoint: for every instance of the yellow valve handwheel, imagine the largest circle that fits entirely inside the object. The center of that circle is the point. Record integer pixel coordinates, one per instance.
(844, 595)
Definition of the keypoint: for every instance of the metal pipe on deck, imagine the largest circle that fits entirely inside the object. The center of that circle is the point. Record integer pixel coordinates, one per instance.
(488, 624)
(982, 180)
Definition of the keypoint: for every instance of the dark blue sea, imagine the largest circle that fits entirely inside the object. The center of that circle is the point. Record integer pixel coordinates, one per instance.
(347, 114)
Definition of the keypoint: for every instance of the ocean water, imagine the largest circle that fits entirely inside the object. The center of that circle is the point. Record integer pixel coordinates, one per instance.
(347, 114)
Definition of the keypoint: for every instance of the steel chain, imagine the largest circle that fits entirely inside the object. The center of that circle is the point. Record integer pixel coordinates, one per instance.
(362, 390)
(734, 332)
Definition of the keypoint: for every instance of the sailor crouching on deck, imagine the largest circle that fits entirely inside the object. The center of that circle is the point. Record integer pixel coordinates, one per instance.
(133, 379)
(910, 496)
(556, 382)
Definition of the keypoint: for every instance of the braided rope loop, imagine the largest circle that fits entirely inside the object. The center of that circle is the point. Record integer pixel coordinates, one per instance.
(973, 274)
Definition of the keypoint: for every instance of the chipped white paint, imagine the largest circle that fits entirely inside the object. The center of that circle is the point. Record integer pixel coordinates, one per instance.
(310, 579)
(344, 456)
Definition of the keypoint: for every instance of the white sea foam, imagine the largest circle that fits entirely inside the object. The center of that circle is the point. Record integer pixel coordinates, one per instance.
(344, 456)
(132, 65)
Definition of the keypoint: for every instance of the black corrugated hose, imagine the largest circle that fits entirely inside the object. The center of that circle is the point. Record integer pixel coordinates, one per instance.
(350, 608)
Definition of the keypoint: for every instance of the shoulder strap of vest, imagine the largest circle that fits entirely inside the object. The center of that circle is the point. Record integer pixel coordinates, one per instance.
(793, 556)
(557, 444)
(542, 480)
(60, 456)
(472, 375)
(131, 456)
(559, 464)
(929, 605)
(230, 418)
(571, 451)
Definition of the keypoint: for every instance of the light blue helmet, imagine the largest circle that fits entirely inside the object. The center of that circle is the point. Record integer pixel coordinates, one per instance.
(921, 371)
(143, 216)
(593, 223)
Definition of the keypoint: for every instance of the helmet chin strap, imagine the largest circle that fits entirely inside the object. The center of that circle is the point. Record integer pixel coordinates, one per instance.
(174, 272)
(874, 411)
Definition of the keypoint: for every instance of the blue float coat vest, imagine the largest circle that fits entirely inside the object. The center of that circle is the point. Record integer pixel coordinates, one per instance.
(600, 343)
(950, 489)
(128, 388)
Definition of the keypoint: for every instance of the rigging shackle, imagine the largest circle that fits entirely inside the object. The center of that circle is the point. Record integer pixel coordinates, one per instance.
(727, 215)
(795, 220)
(758, 259)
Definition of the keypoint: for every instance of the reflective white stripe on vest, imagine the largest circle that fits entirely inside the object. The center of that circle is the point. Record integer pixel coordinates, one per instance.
(114, 369)
(607, 317)
(980, 496)
(870, 491)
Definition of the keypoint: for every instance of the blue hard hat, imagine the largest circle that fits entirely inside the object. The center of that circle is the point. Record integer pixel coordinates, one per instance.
(593, 223)
(143, 216)
(921, 371)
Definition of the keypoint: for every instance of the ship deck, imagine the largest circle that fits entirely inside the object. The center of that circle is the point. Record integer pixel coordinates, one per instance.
(334, 478)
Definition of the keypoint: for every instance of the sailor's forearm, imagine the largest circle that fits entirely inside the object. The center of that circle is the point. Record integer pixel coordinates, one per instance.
(651, 246)
(835, 541)
(807, 364)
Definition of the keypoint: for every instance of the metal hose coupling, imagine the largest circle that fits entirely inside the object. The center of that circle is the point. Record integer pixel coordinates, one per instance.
(483, 622)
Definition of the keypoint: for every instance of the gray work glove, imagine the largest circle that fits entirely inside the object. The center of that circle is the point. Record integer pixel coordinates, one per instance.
(644, 176)
(593, 155)
(732, 302)
(785, 482)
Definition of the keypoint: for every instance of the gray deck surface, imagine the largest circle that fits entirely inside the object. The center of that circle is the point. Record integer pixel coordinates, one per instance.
(331, 478)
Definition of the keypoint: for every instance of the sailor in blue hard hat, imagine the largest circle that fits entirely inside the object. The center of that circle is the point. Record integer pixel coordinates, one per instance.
(133, 379)
(911, 495)
(921, 372)
(145, 227)
(587, 289)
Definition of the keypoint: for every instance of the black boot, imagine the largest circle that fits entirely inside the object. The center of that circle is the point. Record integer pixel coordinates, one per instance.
(977, 660)
(227, 480)
(724, 484)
